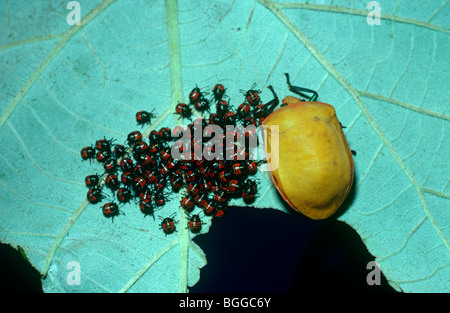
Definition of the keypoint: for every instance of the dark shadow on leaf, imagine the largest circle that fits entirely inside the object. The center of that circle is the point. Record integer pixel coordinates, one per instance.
(335, 260)
(266, 250)
(17, 274)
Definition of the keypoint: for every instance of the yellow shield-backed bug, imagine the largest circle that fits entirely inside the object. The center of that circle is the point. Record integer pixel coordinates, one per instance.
(313, 170)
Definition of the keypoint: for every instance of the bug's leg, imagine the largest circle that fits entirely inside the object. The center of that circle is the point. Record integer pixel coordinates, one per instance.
(270, 106)
(300, 90)
(353, 152)
(151, 115)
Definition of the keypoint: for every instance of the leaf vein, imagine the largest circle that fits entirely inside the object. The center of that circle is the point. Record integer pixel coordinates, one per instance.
(326, 64)
(62, 43)
(344, 10)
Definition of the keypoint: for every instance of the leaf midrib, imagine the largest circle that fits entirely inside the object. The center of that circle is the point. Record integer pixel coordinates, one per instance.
(183, 238)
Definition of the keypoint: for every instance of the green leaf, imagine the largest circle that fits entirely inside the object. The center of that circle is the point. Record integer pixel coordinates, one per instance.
(62, 87)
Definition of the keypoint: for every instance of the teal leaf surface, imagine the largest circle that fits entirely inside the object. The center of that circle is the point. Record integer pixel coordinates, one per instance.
(63, 86)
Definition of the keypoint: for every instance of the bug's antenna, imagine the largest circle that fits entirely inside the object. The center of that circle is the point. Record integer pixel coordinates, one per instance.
(300, 90)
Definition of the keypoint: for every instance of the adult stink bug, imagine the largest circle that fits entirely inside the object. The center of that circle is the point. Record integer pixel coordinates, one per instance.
(313, 169)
